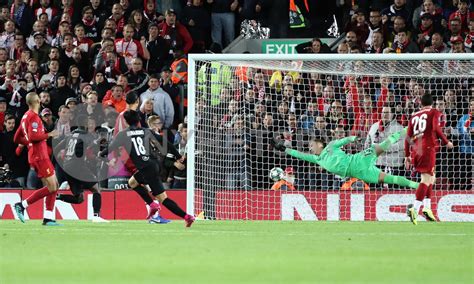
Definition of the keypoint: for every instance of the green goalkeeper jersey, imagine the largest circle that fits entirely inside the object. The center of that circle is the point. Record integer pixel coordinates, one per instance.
(332, 158)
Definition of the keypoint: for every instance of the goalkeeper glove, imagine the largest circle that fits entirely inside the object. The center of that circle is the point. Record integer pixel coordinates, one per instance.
(278, 144)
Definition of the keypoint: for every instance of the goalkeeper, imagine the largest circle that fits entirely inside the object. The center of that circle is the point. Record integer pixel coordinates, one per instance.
(361, 165)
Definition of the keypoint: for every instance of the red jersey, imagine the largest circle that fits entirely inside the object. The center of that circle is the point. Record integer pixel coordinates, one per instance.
(424, 130)
(32, 134)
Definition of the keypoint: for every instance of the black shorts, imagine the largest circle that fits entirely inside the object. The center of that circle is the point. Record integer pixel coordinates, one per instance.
(150, 175)
(78, 186)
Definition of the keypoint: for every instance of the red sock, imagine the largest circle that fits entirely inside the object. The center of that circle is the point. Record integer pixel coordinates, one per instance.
(428, 192)
(37, 195)
(421, 191)
(50, 199)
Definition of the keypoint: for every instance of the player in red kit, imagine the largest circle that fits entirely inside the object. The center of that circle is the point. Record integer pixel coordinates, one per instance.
(423, 133)
(31, 133)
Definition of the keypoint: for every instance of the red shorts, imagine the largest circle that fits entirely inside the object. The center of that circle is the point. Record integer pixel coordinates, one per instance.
(43, 168)
(425, 164)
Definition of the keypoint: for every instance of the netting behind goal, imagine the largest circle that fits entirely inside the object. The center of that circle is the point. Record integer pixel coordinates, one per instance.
(239, 103)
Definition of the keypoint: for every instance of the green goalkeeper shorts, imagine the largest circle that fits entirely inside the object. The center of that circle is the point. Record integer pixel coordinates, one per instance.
(363, 166)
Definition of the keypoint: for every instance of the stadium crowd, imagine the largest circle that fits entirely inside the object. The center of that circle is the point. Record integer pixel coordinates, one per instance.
(82, 57)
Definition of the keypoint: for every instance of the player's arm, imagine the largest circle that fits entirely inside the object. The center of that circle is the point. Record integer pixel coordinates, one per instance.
(439, 132)
(344, 141)
(19, 137)
(170, 148)
(36, 133)
(114, 145)
(302, 156)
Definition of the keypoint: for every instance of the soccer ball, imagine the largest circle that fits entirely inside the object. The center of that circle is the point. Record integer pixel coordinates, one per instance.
(276, 174)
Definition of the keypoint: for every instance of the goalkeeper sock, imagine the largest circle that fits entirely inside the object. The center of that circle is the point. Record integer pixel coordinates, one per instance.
(96, 202)
(173, 207)
(392, 139)
(143, 192)
(401, 181)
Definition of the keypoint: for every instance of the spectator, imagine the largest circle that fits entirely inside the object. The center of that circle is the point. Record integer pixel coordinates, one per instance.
(399, 24)
(392, 160)
(74, 79)
(162, 104)
(365, 119)
(116, 100)
(159, 52)
(313, 46)
(470, 36)
(41, 49)
(45, 100)
(151, 14)
(100, 85)
(177, 176)
(60, 94)
(336, 116)
(99, 13)
(377, 43)
(7, 38)
(18, 164)
(223, 20)
(48, 81)
(63, 124)
(90, 23)
(197, 20)
(82, 41)
(175, 34)
(146, 111)
(454, 29)
(463, 14)
(397, 9)
(117, 18)
(139, 25)
(359, 25)
(23, 16)
(422, 36)
(437, 43)
(374, 25)
(403, 43)
(130, 48)
(428, 7)
(137, 77)
(465, 127)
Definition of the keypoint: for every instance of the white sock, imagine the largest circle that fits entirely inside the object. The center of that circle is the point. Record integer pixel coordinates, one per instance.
(24, 203)
(427, 203)
(417, 205)
(48, 215)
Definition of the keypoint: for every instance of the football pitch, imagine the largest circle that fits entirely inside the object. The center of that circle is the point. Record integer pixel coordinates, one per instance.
(236, 252)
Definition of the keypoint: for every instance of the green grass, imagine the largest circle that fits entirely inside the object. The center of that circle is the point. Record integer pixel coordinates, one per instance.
(246, 252)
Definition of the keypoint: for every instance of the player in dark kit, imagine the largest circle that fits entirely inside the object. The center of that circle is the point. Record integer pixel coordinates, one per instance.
(422, 140)
(31, 133)
(141, 145)
(79, 151)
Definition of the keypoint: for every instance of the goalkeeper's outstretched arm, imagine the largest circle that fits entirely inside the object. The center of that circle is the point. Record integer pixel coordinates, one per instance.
(302, 156)
(344, 141)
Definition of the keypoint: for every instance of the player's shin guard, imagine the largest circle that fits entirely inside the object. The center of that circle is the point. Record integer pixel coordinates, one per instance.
(420, 194)
(143, 192)
(173, 207)
(96, 202)
(427, 200)
(401, 181)
(392, 139)
(37, 195)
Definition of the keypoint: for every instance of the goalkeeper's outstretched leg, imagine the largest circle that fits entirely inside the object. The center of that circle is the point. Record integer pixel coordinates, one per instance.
(392, 139)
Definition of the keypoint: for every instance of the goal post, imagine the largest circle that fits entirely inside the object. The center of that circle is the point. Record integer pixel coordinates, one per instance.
(238, 102)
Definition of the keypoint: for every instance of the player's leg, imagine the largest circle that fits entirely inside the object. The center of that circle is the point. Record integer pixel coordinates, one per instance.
(77, 196)
(97, 204)
(52, 183)
(174, 208)
(45, 172)
(391, 139)
(144, 194)
(398, 180)
(427, 201)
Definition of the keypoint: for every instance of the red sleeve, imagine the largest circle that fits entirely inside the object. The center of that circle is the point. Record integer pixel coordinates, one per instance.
(19, 138)
(35, 130)
(187, 39)
(437, 128)
(2, 120)
(407, 139)
(139, 48)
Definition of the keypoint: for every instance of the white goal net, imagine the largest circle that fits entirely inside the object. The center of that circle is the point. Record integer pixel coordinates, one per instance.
(238, 103)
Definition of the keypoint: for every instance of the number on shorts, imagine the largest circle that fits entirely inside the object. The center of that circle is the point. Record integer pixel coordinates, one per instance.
(71, 147)
(419, 123)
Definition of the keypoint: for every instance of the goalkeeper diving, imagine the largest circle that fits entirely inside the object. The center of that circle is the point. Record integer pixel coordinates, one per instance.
(360, 165)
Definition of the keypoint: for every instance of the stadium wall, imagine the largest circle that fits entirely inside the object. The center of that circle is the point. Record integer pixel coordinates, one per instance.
(384, 205)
